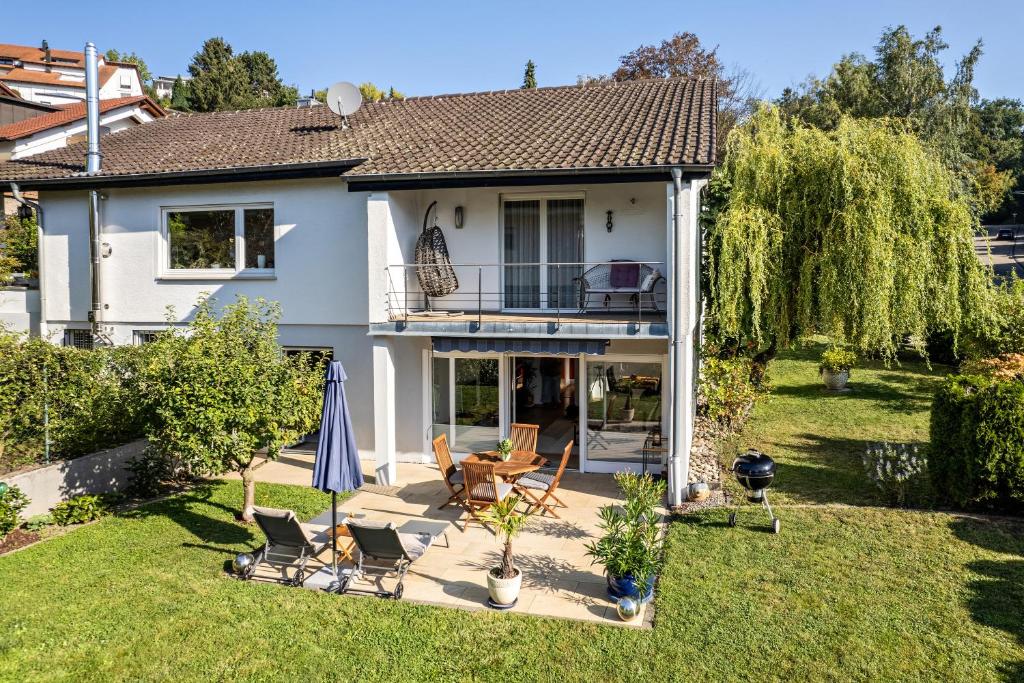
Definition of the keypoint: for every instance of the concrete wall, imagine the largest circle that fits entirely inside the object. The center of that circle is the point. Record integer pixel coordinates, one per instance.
(19, 309)
(97, 473)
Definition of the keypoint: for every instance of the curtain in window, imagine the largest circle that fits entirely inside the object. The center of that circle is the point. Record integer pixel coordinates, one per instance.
(522, 245)
(565, 245)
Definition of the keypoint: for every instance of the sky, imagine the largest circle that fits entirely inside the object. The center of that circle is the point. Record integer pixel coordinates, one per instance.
(436, 47)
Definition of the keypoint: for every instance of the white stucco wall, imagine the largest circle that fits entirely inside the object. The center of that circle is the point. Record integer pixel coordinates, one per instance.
(19, 309)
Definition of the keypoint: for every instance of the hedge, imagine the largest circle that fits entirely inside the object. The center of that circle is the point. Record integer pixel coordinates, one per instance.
(976, 456)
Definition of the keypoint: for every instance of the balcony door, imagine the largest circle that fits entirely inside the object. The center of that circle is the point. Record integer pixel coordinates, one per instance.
(542, 251)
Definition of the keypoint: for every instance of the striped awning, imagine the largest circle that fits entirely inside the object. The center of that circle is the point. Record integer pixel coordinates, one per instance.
(544, 347)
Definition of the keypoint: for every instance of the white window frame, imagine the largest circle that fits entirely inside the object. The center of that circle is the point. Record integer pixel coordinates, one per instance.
(503, 404)
(239, 272)
(543, 198)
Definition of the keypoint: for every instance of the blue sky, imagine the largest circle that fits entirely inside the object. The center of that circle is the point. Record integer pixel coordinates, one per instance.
(439, 47)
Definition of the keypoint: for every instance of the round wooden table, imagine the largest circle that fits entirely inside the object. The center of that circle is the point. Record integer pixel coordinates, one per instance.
(517, 465)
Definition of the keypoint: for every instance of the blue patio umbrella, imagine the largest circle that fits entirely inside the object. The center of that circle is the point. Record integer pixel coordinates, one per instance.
(336, 467)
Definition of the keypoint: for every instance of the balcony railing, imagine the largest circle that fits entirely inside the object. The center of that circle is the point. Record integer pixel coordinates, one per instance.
(624, 291)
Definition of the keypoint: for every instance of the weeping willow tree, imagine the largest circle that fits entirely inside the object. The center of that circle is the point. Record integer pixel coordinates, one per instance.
(856, 232)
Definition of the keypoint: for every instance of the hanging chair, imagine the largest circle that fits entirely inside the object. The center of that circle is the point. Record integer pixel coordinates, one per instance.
(434, 267)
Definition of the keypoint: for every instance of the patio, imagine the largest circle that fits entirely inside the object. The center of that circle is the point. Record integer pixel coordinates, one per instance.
(558, 578)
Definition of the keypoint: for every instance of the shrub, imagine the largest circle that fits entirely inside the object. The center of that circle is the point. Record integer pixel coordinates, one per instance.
(152, 474)
(836, 360)
(38, 522)
(900, 472)
(632, 542)
(976, 456)
(725, 389)
(19, 245)
(12, 502)
(80, 509)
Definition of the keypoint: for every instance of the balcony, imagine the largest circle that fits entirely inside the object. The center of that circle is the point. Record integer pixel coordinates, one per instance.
(606, 299)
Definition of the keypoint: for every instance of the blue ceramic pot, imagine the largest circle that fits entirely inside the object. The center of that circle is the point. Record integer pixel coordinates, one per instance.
(623, 586)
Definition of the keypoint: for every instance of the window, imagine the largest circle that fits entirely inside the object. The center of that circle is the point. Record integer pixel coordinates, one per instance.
(542, 230)
(317, 356)
(79, 339)
(623, 408)
(466, 402)
(140, 337)
(226, 239)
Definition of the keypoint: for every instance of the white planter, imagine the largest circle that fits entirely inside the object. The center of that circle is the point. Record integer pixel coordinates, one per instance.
(835, 381)
(504, 591)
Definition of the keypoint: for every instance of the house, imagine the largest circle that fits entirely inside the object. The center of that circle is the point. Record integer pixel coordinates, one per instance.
(67, 124)
(164, 85)
(534, 190)
(48, 76)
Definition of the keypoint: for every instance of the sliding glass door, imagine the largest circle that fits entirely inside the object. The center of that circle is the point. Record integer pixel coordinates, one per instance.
(466, 400)
(543, 230)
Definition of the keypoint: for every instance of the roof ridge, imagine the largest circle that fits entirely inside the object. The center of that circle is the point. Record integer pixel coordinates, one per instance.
(567, 86)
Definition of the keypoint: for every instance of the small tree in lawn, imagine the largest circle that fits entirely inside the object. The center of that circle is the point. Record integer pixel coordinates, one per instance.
(224, 389)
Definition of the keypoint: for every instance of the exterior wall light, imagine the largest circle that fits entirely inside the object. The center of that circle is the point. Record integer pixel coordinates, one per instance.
(609, 224)
(459, 218)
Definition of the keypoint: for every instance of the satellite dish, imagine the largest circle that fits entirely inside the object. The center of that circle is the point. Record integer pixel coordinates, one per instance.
(344, 99)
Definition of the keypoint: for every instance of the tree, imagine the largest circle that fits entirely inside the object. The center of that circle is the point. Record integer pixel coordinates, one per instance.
(219, 81)
(19, 247)
(857, 232)
(264, 84)
(371, 93)
(145, 75)
(223, 389)
(530, 75)
(180, 94)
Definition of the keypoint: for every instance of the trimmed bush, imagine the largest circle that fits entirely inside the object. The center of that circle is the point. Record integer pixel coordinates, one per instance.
(976, 457)
(79, 510)
(12, 502)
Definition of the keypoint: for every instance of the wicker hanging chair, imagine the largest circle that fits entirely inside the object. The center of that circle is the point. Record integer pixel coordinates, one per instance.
(434, 267)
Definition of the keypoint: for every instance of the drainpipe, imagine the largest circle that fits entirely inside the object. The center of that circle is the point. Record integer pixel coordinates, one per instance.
(677, 353)
(92, 167)
(44, 331)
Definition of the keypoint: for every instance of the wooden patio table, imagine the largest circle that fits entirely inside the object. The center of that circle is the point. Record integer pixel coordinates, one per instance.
(517, 465)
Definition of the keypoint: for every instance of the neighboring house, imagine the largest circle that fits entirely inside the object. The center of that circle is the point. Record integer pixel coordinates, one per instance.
(164, 85)
(68, 125)
(47, 76)
(532, 189)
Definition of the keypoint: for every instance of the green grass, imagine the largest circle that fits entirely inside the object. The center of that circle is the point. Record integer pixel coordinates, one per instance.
(844, 593)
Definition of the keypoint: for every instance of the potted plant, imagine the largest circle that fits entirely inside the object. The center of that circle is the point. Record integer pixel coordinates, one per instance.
(630, 547)
(505, 449)
(505, 580)
(835, 366)
(628, 412)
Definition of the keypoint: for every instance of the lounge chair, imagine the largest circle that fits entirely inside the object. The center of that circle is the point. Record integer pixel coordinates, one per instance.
(383, 552)
(483, 489)
(538, 487)
(453, 478)
(289, 543)
(524, 436)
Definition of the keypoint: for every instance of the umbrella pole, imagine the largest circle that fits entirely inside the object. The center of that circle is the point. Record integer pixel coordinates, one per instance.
(334, 534)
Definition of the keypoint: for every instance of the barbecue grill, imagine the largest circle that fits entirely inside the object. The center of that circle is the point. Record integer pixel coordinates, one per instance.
(755, 472)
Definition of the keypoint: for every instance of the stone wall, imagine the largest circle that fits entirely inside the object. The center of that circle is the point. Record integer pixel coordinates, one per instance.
(97, 473)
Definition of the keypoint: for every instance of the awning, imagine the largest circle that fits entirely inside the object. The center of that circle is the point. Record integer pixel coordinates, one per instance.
(544, 347)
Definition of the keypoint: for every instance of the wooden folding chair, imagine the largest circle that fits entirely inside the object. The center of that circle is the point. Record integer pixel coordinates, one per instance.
(533, 483)
(453, 478)
(482, 489)
(524, 436)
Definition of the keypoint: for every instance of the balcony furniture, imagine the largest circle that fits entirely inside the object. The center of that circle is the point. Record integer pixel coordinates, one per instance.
(524, 437)
(517, 465)
(483, 489)
(538, 487)
(435, 272)
(619, 278)
(289, 543)
(383, 552)
(346, 547)
(453, 478)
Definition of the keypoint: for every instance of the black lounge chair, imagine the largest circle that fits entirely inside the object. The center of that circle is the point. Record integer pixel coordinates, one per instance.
(383, 552)
(289, 543)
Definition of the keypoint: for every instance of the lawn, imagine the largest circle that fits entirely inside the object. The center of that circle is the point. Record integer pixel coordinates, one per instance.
(862, 592)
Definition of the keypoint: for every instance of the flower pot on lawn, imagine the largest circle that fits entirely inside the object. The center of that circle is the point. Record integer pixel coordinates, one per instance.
(835, 381)
(504, 592)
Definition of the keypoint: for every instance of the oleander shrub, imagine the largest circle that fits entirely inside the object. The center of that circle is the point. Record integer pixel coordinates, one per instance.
(900, 472)
(80, 509)
(12, 502)
(976, 455)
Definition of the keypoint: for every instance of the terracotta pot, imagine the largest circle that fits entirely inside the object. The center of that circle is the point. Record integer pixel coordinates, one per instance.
(504, 591)
(835, 381)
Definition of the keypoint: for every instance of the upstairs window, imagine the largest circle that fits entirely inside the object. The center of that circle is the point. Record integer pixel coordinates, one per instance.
(225, 240)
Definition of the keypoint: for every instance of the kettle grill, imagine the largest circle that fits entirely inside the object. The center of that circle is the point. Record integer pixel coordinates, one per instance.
(755, 472)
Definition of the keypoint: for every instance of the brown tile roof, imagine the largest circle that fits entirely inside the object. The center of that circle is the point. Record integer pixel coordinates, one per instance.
(638, 125)
(72, 112)
(22, 75)
(36, 54)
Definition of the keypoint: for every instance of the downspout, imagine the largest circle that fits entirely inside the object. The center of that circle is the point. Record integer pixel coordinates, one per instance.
(44, 331)
(677, 354)
(92, 167)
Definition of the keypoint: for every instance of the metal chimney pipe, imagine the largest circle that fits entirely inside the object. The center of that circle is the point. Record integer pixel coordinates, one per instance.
(92, 109)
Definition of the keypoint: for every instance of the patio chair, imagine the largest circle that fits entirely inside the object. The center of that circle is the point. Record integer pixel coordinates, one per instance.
(619, 278)
(383, 552)
(289, 543)
(524, 436)
(483, 489)
(453, 478)
(538, 487)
